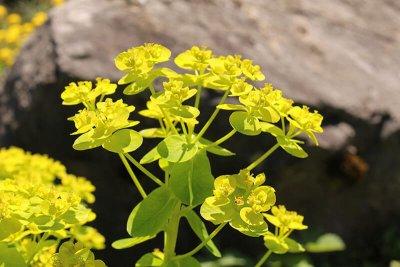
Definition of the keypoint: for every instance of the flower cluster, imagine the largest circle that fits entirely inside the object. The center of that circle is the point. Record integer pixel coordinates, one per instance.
(100, 117)
(15, 29)
(42, 204)
(241, 200)
(75, 254)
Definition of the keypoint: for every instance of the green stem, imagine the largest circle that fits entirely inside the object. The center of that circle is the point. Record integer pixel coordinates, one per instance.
(263, 259)
(198, 96)
(171, 234)
(134, 178)
(202, 244)
(223, 139)
(211, 119)
(152, 90)
(262, 158)
(143, 169)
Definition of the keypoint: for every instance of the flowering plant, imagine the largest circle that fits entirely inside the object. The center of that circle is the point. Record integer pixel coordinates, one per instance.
(42, 207)
(240, 200)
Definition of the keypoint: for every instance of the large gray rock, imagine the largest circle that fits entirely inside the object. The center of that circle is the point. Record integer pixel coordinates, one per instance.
(341, 57)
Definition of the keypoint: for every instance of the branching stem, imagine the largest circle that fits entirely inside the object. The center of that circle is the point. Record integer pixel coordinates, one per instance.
(212, 117)
(133, 176)
(202, 244)
(143, 169)
(262, 158)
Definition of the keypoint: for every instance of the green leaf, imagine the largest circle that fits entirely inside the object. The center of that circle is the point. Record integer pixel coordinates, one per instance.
(10, 257)
(130, 242)
(326, 243)
(85, 141)
(291, 147)
(174, 148)
(9, 226)
(153, 133)
(275, 244)
(151, 156)
(294, 246)
(150, 215)
(123, 141)
(244, 123)
(149, 259)
(217, 150)
(137, 87)
(272, 129)
(214, 211)
(199, 228)
(185, 112)
(192, 181)
(231, 107)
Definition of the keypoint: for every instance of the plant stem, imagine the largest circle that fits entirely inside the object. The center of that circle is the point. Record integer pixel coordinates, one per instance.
(202, 244)
(134, 178)
(211, 119)
(198, 96)
(152, 90)
(262, 158)
(143, 169)
(223, 139)
(171, 234)
(263, 259)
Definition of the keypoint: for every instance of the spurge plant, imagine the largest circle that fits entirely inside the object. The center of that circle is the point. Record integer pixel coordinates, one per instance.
(239, 199)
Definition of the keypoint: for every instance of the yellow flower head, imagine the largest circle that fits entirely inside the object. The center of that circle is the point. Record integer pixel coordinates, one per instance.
(57, 2)
(39, 19)
(251, 71)
(240, 199)
(196, 58)
(14, 18)
(229, 65)
(3, 11)
(134, 61)
(83, 92)
(284, 219)
(240, 88)
(308, 122)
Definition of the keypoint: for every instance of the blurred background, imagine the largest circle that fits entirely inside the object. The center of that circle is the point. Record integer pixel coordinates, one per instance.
(341, 57)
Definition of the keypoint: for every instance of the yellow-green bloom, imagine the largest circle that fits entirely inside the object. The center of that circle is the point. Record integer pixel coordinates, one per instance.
(197, 58)
(308, 122)
(240, 200)
(284, 219)
(75, 254)
(251, 71)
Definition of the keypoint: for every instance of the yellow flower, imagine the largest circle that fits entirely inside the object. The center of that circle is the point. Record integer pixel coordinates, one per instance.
(308, 122)
(57, 2)
(3, 11)
(14, 18)
(284, 219)
(197, 58)
(39, 19)
(253, 72)
(7, 56)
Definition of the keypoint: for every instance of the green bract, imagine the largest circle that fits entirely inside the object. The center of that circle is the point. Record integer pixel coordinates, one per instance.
(241, 200)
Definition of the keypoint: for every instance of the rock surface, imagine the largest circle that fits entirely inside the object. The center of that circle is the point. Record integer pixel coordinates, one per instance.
(341, 57)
